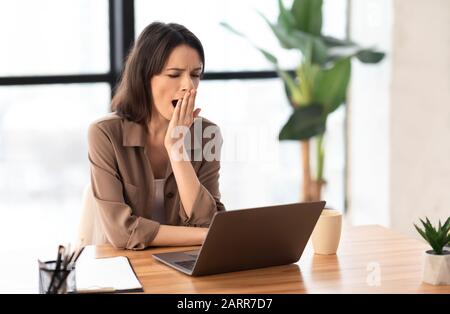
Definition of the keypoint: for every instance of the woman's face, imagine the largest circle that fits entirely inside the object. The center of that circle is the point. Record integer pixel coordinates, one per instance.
(180, 74)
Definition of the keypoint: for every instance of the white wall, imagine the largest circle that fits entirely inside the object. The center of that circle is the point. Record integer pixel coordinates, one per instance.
(368, 115)
(399, 114)
(420, 113)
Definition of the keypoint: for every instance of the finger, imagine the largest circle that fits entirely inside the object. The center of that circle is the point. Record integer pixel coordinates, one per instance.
(191, 104)
(196, 112)
(183, 108)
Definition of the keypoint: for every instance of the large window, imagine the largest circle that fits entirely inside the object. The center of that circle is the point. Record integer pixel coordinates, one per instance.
(56, 75)
(224, 51)
(53, 37)
(257, 169)
(54, 66)
(43, 157)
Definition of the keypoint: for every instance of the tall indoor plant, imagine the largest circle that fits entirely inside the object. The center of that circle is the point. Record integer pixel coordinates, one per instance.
(318, 86)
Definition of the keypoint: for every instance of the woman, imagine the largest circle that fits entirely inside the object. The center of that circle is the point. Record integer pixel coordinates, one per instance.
(148, 188)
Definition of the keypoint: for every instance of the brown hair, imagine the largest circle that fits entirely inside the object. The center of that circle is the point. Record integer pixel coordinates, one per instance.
(133, 98)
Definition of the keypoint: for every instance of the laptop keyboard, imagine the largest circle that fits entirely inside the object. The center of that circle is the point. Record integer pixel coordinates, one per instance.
(193, 254)
(186, 264)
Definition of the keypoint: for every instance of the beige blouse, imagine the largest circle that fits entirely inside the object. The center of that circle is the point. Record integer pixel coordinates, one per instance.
(158, 210)
(123, 183)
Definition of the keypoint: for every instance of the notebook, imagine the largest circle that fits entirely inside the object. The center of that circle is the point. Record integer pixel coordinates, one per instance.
(106, 275)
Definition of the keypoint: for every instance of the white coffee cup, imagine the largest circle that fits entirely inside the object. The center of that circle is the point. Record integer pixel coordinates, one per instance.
(327, 232)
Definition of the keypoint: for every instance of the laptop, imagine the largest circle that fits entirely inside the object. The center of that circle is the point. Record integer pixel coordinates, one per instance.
(249, 238)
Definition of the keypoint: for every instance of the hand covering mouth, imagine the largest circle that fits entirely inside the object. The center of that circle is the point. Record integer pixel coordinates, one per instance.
(174, 102)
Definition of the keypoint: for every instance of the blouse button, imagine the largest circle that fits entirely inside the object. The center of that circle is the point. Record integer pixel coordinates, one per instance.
(169, 195)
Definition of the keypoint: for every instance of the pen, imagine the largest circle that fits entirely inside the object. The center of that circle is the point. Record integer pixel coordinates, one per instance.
(58, 264)
(77, 255)
(66, 257)
(74, 256)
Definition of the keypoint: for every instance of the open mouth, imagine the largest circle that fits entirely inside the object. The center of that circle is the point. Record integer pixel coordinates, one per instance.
(174, 102)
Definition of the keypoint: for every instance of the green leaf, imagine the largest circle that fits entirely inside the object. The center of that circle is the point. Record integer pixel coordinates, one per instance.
(285, 37)
(421, 232)
(270, 57)
(285, 17)
(295, 94)
(343, 52)
(312, 47)
(289, 95)
(370, 56)
(446, 226)
(232, 29)
(330, 88)
(433, 242)
(336, 42)
(304, 123)
(308, 15)
(426, 224)
(438, 237)
(423, 222)
(292, 89)
(341, 49)
(306, 74)
(429, 225)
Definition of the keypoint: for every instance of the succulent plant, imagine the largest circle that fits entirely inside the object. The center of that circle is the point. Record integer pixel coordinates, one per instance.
(438, 237)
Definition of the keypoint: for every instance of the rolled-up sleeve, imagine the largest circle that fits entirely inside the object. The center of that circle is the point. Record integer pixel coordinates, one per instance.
(207, 201)
(121, 227)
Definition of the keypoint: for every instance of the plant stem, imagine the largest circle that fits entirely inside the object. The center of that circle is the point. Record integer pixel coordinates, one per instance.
(306, 170)
(320, 157)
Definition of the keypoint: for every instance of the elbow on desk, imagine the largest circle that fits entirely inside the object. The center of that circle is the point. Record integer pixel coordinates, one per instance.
(119, 244)
(124, 242)
(124, 245)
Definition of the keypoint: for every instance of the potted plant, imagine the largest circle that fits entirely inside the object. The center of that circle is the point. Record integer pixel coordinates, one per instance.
(318, 86)
(437, 261)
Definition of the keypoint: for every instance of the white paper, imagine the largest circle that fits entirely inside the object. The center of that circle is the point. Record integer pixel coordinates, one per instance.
(112, 272)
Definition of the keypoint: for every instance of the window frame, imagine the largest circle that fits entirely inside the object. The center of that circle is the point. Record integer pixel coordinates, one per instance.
(121, 16)
(121, 38)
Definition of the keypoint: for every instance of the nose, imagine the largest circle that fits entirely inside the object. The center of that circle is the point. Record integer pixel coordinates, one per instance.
(187, 84)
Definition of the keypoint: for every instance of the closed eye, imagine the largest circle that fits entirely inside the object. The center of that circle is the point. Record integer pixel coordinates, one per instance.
(173, 76)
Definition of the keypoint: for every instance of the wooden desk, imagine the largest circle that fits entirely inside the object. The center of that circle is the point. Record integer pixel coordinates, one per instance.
(370, 259)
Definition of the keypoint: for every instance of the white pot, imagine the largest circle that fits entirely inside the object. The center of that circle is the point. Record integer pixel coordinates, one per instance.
(437, 268)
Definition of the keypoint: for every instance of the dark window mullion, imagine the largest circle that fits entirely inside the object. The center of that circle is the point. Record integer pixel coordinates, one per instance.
(55, 79)
(121, 36)
(109, 78)
(240, 75)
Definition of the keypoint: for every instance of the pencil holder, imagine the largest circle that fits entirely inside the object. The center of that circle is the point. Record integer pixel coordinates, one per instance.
(56, 281)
